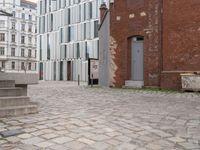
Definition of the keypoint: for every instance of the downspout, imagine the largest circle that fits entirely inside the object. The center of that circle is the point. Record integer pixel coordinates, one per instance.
(161, 41)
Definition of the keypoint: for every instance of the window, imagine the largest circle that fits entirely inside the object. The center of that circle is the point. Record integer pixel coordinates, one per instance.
(35, 54)
(13, 26)
(3, 64)
(2, 23)
(23, 27)
(22, 66)
(61, 35)
(90, 9)
(35, 66)
(30, 28)
(69, 15)
(2, 51)
(51, 24)
(22, 39)
(14, 14)
(48, 48)
(78, 50)
(12, 51)
(29, 53)
(29, 17)
(13, 38)
(23, 15)
(96, 29)
(29, 40)
(13, 65)
(29, 66)
(41, 7)
(22, 52)
(2, 36)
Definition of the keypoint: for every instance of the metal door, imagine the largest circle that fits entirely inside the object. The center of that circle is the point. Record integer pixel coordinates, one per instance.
(137, 59)
(69, 71)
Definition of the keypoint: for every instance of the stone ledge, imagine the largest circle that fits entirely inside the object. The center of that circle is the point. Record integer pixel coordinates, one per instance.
(20, 78)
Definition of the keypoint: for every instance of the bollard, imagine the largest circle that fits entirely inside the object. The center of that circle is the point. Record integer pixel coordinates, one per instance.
(92, 81)
(78, 80)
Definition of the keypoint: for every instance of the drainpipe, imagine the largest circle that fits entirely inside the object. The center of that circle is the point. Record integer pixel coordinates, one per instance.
(161, 28)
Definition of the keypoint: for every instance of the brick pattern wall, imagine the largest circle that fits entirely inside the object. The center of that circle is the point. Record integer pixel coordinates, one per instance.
(136, 18)
(171, 39)
(181, 36)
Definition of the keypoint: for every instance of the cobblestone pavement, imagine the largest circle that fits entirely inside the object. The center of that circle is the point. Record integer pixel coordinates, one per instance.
(86, 118)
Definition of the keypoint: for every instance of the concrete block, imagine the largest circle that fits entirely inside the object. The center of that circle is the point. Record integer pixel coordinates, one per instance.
(14, 101)
(18, 110)
(8, 92)
(7, 83)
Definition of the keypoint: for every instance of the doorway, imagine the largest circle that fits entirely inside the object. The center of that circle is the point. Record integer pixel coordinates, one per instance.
(137, 61)
(69, 71)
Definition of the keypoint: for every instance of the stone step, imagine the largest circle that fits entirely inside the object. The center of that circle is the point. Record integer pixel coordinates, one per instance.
(14, 101)
(18, 110)
(9, 92)
(7, 83)
(133, 84)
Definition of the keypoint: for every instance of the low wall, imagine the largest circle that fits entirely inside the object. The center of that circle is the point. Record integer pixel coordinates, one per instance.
(20, 78)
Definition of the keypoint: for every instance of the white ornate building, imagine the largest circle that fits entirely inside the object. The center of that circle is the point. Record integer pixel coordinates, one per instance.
(18, 36)
(68, 36)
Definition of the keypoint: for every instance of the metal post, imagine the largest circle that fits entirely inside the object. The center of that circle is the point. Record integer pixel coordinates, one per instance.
(92, 81)
(78, 80)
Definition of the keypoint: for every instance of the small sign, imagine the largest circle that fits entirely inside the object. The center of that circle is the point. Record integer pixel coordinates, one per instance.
(94, 69)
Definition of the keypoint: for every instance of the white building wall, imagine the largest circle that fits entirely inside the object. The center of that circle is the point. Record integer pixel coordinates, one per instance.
(13, 26)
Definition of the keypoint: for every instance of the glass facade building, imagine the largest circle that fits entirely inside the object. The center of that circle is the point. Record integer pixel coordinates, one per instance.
(68, 36)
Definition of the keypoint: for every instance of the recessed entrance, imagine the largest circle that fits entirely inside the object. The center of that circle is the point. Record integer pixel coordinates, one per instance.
(69, 71)
(137, 61)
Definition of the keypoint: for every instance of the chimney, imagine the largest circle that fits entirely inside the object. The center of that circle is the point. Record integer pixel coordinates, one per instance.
(103, 9)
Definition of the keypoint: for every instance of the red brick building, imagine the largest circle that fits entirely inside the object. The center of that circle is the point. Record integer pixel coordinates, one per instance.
(151, 42)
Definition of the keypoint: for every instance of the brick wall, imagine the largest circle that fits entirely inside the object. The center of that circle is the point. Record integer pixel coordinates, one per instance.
(181, 40)
(171, 39)
(136, 18)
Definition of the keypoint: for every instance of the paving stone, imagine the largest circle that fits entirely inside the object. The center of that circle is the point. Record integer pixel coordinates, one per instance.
(24, 136)
(190, 145)
(28, 130)
(100, 137)
(10, 133)
(176, 139)
(153, 146)
(2, 129)
(100, 146)
(126, 146)
(59, 147)
(113, 142)
(62, 140)
(2, 141)
(86, 141)
(123, 138)
(13, 139)
(44, 144)
(33, 140)
(37, 133)
(75, 145)
(49, 136)
(112, 134)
